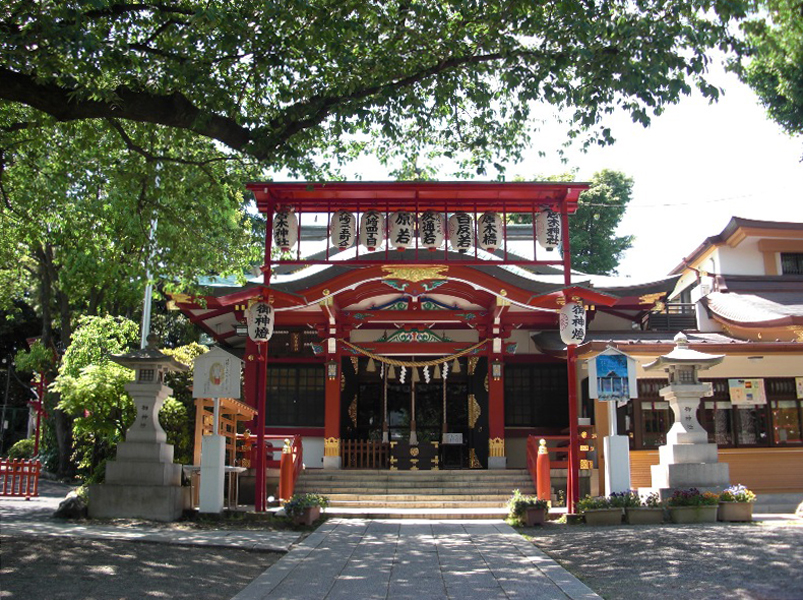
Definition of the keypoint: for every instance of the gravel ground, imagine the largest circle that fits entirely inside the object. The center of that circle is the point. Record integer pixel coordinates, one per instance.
(734, 561)
(62, 568)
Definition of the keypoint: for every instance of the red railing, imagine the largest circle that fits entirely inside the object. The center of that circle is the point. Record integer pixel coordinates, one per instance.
(291, 465)
(20, 477)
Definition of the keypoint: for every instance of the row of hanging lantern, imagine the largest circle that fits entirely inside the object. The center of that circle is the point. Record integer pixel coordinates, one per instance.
(401, 230)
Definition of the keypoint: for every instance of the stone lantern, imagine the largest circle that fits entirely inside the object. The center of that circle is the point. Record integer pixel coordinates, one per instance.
(143, 481)
(687, 459)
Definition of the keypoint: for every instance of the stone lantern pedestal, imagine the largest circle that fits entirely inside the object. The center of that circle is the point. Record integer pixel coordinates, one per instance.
(143, 481)
(687, 459)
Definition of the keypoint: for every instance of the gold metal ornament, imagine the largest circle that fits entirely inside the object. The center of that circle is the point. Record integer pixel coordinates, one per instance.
(415, 274)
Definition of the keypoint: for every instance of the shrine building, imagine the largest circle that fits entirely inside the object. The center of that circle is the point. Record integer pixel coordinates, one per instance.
(431, 326)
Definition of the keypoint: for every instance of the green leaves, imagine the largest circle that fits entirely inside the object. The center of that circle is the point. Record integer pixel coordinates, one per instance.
(773, 63)
(286, 82)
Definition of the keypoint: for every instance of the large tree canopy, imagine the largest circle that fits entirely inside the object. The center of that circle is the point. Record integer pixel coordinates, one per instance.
(285, 81)
(773, 65)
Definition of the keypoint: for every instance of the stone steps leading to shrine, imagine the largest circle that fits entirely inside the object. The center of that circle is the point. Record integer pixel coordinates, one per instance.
(416, 494)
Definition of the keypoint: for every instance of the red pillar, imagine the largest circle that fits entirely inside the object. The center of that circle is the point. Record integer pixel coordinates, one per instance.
(573, 491)
(261, 383)
(496, 408)
(573, 486)
(331, 427)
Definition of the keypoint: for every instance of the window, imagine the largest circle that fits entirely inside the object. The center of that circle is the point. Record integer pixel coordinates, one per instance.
(536, 396)
(776, 423)
(792, 263)
(296, 395)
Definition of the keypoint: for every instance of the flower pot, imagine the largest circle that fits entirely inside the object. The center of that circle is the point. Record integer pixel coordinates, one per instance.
(644, 515)
(693, 514)
(735, 511)
(308, 516)
(534, 516)
(603, 516)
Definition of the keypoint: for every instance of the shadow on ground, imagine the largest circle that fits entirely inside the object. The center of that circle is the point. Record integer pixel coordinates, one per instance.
(734, 561)
(61, 568)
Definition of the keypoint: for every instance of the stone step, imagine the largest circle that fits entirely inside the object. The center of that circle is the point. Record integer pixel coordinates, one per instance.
(495, 514)
(416, 494)
(777, 503)
(418, 504)
(359, 496)
(424, 491)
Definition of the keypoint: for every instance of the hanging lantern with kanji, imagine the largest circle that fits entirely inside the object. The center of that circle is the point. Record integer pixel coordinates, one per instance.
(548, 229)
(372, 229)
(343, 228)
(572, 323)
(285, 229)
(461, 231)
(259, 318)
(402, 229)
(431, 230)
(489, 231)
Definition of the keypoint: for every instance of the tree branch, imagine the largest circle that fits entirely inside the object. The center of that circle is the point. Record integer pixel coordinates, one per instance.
(174, 110)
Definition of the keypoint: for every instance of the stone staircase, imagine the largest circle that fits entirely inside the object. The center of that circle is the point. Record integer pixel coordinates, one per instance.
(460, 494)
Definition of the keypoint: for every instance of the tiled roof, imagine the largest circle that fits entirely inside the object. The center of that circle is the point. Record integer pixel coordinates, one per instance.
(769, 308)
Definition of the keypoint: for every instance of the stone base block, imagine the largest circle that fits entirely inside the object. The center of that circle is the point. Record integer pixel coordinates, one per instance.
(688, 454)
(142, 451)
(497, 462)
(158, 503)
(684, 476)
(140, 472)
(332, 462)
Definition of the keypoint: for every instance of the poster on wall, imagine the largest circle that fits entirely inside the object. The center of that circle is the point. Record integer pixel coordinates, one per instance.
(747, 391)
(799, 386)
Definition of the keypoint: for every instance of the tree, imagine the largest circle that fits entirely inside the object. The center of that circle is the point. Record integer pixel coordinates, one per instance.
(595, 246)
(298, 84)
(773, 63)
(78, 211)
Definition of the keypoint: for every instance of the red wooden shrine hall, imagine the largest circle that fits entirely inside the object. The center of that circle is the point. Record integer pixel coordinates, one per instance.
(455, 321)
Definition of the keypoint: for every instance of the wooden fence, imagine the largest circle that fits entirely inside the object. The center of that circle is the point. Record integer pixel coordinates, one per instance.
(19, 477)
(364, 454)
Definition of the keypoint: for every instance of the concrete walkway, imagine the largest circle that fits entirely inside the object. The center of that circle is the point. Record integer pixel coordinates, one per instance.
(349, 559)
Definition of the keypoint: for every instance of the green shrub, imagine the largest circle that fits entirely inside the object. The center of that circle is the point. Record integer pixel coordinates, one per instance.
(296, 505)
(519, 503)
(22, 449)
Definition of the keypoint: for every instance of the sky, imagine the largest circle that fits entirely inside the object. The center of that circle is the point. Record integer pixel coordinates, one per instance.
(695, 167)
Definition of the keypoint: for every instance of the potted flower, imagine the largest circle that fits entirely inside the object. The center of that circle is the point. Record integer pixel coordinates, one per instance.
(305, 509)
(736, 504)
(602, 510)
(646, 511)
(693, 506)
(527, 510)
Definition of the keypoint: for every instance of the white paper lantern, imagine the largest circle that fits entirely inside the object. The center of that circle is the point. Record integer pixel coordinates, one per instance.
(489, 231)
(572, 321)
(461, 231)
(343, 227)
(259, 318)
(402, 229)
(548, 229)
(431, 230)
(372, 229)
(285, 229)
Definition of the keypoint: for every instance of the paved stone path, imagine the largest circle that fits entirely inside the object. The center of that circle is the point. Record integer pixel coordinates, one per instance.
(422, 560)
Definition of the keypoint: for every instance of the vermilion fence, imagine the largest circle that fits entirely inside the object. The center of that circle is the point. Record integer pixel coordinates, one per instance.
(19, 477)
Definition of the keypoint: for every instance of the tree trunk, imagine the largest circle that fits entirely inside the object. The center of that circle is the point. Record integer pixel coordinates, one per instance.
(62, 422)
